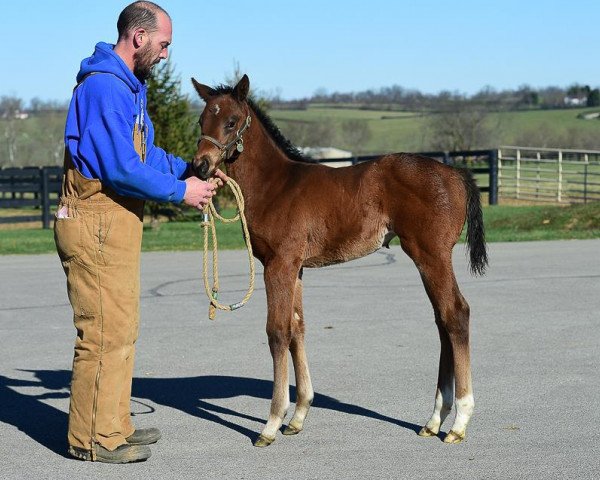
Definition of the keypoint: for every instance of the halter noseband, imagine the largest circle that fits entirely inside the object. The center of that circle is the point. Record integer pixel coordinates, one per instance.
(238, 141)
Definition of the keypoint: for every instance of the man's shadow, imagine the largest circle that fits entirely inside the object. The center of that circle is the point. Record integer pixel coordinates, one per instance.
(48, 425)
(28, 412)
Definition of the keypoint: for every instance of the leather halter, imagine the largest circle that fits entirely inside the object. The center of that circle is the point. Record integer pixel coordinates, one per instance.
(238, 141)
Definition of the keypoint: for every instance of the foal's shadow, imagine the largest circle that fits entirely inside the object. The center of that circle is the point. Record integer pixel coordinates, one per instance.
(192, 395)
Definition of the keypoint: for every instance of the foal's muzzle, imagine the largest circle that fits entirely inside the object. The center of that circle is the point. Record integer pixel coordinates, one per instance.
(201, 168)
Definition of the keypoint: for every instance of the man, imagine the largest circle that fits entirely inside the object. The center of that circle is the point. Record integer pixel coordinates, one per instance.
(111, 167)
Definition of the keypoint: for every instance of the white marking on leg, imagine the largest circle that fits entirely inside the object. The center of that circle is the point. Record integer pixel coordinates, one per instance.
(304, 401)
(275, 420)
(464, 410)
(441, 409)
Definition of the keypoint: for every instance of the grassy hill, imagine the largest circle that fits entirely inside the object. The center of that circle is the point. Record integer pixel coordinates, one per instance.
(393, 131)
(39, 139)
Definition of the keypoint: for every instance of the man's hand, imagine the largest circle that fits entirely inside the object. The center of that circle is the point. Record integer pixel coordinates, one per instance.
(198, 192)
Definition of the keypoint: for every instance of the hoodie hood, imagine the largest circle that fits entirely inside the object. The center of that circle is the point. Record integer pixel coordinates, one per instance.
(104, 115)
(105, 60)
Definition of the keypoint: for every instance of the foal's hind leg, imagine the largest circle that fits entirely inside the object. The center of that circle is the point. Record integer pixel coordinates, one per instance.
(445, 387)
(304, 389)
(452, 319)
(279, 282)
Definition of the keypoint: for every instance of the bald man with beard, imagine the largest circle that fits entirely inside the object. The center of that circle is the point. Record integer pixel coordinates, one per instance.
(111, 167)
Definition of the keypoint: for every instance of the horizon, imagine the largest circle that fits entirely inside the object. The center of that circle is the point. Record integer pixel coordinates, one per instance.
(293, 51)
(193, 97)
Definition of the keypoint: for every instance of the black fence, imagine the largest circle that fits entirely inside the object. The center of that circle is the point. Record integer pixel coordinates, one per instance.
(37, 187)
(40, 187)
(482, 163)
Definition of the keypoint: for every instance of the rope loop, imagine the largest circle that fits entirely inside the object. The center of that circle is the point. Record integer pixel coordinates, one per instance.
(208, 223)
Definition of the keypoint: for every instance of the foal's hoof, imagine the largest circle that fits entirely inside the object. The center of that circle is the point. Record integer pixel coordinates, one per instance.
(427, 432)
(454, 437)
(292, 430)
(263, 441)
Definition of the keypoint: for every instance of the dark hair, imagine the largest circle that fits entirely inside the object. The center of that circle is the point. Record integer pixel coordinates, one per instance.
(290, 150)
(140, 14)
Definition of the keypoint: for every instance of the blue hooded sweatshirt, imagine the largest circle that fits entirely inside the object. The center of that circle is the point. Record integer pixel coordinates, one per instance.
(99, 132)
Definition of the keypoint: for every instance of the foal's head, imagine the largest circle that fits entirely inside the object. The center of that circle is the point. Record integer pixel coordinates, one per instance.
(224, 121)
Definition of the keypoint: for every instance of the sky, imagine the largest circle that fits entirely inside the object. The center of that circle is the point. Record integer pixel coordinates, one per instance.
(293, 49)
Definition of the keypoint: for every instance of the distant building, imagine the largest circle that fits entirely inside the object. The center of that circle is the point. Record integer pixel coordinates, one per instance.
(575, 101)
(17, 115)
(325, 153)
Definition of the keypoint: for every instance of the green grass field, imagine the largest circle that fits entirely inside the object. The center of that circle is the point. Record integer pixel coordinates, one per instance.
(504, 223)
(393, 131)
(390, 131)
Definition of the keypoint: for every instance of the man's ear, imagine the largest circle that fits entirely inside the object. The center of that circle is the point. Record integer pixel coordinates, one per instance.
(140, 36)
(240, 91)
(204, 91)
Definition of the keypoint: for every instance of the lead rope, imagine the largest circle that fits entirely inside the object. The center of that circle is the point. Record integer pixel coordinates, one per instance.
(210, 213)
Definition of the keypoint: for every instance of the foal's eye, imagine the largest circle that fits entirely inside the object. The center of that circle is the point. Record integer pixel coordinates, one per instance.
(229, 125)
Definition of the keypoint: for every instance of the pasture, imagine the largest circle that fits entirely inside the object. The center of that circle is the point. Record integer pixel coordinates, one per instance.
(374, 350)
(38, 141)
(393, 131)
(504, 223)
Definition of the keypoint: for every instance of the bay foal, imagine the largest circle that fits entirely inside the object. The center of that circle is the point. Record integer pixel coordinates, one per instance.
(309, 215)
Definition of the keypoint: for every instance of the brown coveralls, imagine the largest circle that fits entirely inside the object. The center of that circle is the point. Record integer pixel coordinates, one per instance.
(99, 245)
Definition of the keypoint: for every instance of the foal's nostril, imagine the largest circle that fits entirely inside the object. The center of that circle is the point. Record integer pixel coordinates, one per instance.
(203, 169)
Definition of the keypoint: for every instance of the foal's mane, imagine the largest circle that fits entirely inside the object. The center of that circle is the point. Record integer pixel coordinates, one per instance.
(283, 143)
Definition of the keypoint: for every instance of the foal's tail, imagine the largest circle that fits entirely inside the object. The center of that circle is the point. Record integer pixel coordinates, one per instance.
(475, 229)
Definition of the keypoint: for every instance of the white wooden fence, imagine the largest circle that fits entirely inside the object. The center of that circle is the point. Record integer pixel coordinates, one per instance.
(549, 174)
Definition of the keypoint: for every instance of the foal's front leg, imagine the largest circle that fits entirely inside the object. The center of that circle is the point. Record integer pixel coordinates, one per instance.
(304, 389)
(280, 277)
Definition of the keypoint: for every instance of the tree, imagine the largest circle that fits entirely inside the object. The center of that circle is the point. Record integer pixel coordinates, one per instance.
(259, 99)
(9, 108)
(174, 125)
(593, 99)
(169, 109)
(305, 134)
(459, 126)
(355, 134)
(578, 91)
(527, 97)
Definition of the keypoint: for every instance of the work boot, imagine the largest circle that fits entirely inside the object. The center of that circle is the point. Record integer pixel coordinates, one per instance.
(144, 436)
(122, 454)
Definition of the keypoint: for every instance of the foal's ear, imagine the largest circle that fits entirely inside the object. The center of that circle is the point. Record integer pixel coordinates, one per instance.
(204, 91)
(240, 91)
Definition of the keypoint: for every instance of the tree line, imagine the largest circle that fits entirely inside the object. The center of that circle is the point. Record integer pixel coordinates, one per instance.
(454, 121)
(399, 98)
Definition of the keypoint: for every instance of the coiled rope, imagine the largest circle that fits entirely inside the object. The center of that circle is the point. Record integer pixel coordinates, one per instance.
(210, 213)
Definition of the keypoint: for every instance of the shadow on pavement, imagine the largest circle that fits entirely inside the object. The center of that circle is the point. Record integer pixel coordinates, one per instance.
(28, 413)
(192, 395)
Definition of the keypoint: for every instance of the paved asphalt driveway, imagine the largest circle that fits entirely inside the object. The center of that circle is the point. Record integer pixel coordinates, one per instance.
(373, 351)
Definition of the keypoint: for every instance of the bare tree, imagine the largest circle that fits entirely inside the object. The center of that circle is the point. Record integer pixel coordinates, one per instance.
(307, 134)
(259, 98)
(9, 108)
(355, 134)
(459, 126)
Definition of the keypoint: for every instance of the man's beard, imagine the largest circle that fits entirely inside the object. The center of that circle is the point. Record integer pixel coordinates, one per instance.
(143, 63)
